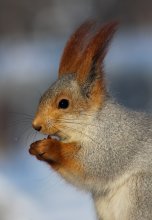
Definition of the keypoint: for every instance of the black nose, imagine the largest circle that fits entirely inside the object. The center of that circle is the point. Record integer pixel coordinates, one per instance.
(37, 127)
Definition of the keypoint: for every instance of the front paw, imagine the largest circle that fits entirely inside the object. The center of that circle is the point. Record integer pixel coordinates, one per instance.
(46, 150)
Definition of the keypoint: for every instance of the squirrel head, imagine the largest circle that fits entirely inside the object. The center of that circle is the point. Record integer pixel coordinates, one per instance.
(78, 94)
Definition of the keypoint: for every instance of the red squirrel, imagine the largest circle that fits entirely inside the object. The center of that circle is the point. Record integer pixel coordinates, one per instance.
(102, 146)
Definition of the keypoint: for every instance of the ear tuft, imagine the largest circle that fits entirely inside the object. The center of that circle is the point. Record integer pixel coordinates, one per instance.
(94, 54)
(85, 51)
(74, 47)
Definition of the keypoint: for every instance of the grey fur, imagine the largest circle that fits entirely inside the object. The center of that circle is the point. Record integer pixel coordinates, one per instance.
(54, 89)
(116, 152)
(124, 148)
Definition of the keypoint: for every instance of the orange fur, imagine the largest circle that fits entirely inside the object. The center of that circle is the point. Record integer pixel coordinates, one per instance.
(81, 52)
(98, 94)
(85, 52)
(74, 48)
(95, 52)
(83, 55)
(61, 156)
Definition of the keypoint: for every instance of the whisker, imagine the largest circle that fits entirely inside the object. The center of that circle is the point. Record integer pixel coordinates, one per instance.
(18, 124)
(75, 122)
(21, 137)
(21, 113)
(20, 120)
(35, 135)
(74, 129)
(28, 137)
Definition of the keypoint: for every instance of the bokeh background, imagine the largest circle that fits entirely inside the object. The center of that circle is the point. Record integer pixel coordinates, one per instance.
(32, 37)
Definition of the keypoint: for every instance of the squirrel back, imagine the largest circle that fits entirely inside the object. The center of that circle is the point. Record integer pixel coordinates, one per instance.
(102, 147)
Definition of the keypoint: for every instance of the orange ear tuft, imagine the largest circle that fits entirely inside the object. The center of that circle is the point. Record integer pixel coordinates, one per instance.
(74, 47)
(95, 52)
(86, 50)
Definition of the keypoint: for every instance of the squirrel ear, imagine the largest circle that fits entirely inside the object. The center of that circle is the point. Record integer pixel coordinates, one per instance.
(91, 60)
(74, 48)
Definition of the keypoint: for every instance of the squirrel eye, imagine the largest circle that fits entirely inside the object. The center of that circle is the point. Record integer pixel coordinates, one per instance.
(64, 103)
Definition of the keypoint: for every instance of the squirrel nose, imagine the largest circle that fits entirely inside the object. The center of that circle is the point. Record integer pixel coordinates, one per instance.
(36, 126)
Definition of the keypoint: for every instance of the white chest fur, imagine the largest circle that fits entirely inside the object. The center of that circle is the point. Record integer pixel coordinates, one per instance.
(114, 206)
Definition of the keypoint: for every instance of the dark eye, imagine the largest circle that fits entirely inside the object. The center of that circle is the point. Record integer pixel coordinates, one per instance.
(64, 103)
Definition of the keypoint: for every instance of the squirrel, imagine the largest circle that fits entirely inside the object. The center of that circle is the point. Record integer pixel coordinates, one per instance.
(102, 147)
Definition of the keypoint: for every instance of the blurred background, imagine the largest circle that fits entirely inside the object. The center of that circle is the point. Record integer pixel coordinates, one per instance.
(32, 37)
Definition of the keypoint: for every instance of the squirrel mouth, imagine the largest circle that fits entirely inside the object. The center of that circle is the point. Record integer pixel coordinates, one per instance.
(54, 136)
(58, 135)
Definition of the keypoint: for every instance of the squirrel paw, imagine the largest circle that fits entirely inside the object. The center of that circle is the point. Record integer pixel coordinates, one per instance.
(46, 150)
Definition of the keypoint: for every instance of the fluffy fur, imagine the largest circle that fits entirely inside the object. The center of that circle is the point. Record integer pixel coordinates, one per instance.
(104, 148)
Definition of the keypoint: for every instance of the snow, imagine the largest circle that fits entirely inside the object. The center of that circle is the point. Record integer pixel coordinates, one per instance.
(46, 196)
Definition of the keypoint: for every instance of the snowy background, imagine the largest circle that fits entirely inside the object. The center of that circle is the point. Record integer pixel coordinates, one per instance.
(33, 34)
(29, 189)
